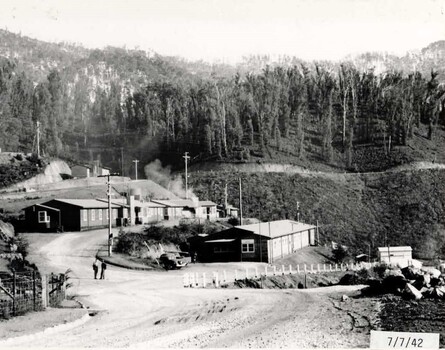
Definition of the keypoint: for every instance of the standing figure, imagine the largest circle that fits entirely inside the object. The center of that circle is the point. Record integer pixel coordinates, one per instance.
(95, 269)
(102, 271)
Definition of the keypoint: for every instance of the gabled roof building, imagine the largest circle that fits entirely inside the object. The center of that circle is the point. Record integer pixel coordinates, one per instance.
(72, 215)
(262, 242)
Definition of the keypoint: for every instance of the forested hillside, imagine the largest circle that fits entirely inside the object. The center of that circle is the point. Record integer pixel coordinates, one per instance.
(91, 102)
(404, 207)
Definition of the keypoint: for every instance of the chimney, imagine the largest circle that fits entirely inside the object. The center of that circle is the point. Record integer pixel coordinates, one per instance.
(132, 211)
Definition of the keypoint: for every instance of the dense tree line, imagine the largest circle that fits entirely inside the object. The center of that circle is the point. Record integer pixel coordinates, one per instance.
(319, 110)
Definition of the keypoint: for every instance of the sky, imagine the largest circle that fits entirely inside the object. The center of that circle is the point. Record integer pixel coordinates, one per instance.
(227, 30)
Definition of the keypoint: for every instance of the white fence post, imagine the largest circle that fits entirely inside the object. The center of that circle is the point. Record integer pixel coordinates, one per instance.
(224, 276)
(290, 269)
(204, 281)
(247, 273)
(324, 267)
(335, 267)
(312, 267)
(298, 268)
(282, 269)
(265, 270)
(192, 280)
(274, 270)
(318, 268)
(186, 280)
(236, 275)
(197, 279)
(256, 272)
(305, 268)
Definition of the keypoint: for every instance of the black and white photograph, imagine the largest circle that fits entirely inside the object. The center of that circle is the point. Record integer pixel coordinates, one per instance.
(222, 174)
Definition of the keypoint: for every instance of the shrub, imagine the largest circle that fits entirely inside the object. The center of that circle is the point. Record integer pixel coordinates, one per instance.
(340, 253)
(233, 221)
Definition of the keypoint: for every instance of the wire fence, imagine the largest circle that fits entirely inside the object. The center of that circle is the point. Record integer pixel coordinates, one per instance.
(21, 292)
(218, 278)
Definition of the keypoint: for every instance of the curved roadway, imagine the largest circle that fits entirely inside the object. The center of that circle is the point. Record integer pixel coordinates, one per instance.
(144, 309)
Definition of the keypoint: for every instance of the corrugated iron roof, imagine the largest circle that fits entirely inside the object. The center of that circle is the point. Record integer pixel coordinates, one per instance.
(207, 203)
(222, 240)
(149, 204)
(394, 249)
(46, 207)
(277, 228)
(181, 203)
(121, 202)
(88, 203)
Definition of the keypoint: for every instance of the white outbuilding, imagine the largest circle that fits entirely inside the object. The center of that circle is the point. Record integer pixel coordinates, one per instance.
(401, 256)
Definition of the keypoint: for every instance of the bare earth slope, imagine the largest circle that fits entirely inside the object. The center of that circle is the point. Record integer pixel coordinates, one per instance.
(152, 309)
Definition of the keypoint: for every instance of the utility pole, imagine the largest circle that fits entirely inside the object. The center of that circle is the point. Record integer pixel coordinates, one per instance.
(136, 167)
(240, 203)
(186, 158)
(122, 161)
(38, 139)
(225, 199)
(318, 235)
(110, 235)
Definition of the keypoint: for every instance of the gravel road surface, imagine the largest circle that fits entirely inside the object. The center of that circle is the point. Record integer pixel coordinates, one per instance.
(140, 309)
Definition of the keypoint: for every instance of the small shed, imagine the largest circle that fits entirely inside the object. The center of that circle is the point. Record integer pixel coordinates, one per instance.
(401, 255)
(79, 171)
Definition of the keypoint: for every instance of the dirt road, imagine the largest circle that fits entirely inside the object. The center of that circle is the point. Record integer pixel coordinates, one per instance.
(140, 309)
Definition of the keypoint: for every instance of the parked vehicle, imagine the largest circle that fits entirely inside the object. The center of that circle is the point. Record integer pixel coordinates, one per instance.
(174, 260)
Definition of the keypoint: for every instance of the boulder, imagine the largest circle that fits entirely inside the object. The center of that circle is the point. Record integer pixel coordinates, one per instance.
(393, 284)
(412, 292)
(410, 272)
(416, 264)
(436, 282)
(437, 293)
(393, 272)
(344, 297)
(7, 229)
(432, 271)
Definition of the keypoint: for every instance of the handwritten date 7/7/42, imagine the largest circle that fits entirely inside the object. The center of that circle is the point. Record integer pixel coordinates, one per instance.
(401, 342)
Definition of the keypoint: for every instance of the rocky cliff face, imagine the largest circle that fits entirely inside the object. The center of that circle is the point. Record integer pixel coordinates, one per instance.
(51, 174)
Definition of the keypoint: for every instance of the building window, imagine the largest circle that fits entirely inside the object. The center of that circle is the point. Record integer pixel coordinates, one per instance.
(100, 214)
(85, 215)
(93, 214)
(247, 246)
(43, 217)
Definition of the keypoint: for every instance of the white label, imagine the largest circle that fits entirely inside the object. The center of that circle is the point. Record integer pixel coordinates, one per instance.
(404, 340)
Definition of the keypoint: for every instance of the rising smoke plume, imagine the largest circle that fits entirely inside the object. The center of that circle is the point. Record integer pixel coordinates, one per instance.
(163, 176)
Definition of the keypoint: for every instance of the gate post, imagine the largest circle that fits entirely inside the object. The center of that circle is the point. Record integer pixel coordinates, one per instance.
(14, 289)
(34, 292)
(44, 291)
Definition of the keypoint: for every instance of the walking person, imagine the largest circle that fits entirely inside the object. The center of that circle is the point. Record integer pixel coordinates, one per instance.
(102, 271)
(95, 268)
